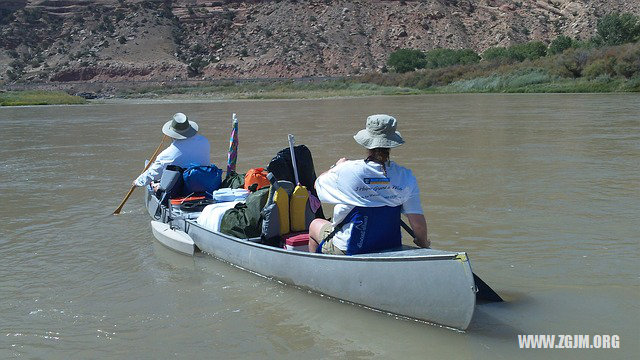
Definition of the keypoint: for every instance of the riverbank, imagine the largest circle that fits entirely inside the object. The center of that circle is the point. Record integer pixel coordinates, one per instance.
(527, 78)
(39, 97)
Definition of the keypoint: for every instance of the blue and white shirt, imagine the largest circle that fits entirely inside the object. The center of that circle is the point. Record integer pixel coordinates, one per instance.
(193, 150)
(359, 183)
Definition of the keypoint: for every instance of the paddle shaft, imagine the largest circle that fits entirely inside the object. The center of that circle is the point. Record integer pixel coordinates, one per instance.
(485, 292)
(133, 187)
(293, 158)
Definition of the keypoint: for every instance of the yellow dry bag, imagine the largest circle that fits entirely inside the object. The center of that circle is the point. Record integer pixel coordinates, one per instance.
(281, 199)
(299, 200)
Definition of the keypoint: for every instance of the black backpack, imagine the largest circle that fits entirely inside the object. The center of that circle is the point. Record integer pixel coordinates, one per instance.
(281, 167)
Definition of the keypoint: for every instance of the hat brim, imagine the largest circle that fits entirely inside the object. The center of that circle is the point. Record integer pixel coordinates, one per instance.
(369, 141)
(192, 130)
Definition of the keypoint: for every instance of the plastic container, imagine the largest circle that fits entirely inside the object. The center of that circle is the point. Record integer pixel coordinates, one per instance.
(241, 194)
(297, 242)
(224, 195)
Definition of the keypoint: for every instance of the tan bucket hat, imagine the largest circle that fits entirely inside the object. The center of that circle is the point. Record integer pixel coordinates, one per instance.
(380, 132)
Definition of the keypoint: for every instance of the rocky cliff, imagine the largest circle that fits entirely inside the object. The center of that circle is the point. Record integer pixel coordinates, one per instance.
(142, 40)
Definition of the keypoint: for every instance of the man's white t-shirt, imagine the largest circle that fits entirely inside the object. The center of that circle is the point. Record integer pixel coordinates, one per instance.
(192, 150)
(359, 183)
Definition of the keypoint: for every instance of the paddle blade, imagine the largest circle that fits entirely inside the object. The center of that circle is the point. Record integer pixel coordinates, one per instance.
(117, 211)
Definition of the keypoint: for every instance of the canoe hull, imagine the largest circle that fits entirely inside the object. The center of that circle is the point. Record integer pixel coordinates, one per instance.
(425, 284)
(429, 285)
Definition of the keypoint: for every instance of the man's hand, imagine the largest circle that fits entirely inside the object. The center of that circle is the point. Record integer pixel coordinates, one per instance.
(423, 244)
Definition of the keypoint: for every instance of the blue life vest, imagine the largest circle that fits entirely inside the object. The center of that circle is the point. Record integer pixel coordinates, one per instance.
(202, 179)
(374, 229)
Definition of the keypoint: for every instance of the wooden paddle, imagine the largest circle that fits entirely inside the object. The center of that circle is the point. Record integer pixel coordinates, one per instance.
(485, 292)
(133, 187)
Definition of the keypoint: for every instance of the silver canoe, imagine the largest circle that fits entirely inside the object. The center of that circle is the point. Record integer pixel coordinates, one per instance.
(426, 284)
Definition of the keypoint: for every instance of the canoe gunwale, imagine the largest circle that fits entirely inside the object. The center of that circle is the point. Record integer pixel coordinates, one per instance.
(383, 256)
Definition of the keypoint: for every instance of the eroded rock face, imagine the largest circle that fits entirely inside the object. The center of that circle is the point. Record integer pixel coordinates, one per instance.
(8, 7)
(123, 40)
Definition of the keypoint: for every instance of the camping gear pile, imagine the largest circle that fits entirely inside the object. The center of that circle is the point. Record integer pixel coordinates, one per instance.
(271, 205)
(278, 209)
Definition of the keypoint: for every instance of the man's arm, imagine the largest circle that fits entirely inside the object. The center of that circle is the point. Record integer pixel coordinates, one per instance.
(419, 226)
(154, 171)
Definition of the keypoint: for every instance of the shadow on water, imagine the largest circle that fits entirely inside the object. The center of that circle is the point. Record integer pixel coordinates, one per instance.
(172, 258)
(488, 319)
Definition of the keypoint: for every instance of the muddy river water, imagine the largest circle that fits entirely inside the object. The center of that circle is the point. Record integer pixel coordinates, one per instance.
(541, 191)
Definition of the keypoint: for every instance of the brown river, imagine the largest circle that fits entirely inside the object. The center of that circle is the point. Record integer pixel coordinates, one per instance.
(541, 191)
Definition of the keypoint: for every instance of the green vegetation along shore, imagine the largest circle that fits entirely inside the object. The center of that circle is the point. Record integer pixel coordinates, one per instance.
(603, 69)
(16, 98)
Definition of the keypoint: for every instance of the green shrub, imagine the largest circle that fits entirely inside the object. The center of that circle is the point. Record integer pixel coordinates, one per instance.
(14, 74)
(196, 66)
(560, 44)
(576, 62)
(600, 67)
(617, 29)
(438, 58)
(633, 84)
(628, 64)
(119, 15)
(495, 53)
(405, 60)
(528, 51)
(627, 69)
(587, 44)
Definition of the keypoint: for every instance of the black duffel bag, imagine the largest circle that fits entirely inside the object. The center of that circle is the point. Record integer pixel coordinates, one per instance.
(281, 166)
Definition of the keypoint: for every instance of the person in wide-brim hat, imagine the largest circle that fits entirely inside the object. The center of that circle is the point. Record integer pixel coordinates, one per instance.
(187, 148)
(375, 188)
